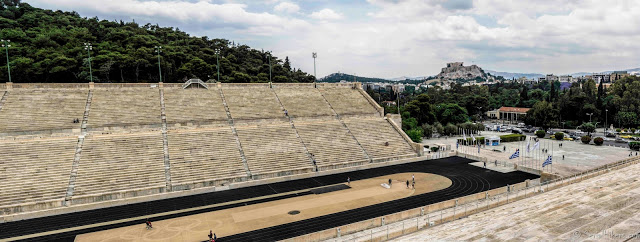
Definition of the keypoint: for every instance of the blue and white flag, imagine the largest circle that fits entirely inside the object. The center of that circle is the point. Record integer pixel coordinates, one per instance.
(515, 155)
(464, 136)
(529, 145)
(547, 162)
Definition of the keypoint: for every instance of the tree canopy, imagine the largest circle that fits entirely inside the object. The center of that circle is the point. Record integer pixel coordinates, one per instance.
(48, 46)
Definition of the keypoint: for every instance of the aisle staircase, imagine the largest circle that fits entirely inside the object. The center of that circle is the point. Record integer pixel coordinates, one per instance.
(306, 150)
(235, 134)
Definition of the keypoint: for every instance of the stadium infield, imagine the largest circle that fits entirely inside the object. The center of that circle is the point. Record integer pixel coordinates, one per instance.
(465, 179)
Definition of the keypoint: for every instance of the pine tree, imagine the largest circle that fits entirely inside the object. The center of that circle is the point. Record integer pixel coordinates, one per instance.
(287, 65)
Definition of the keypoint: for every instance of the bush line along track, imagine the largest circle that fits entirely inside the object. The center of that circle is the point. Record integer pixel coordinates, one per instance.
(466, 180)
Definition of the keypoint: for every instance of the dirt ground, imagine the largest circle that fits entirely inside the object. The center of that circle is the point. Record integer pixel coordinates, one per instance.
(247, 218)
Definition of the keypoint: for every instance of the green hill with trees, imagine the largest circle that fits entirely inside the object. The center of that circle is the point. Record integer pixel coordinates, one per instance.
(48, 46)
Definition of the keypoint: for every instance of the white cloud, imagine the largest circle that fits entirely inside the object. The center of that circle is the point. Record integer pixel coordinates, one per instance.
(287, 7)
(202, 12)
(414, 37)
(326, 14)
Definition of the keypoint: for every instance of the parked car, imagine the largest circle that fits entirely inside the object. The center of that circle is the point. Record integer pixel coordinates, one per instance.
(550, 132)
(568, 138)
(516, 131)
(620, 140)
(610, 135)
(626, 136)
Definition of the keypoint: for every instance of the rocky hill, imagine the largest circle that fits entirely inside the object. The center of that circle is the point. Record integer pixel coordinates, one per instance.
(456, 71)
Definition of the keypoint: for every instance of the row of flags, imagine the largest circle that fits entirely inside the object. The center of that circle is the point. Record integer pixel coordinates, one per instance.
(529, 148)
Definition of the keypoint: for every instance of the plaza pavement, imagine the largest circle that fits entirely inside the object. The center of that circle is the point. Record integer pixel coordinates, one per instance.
(577, 156)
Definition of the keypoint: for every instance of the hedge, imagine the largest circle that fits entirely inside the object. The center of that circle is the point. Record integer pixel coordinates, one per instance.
(435, 149)
(634, 145)
(559, 136)
(598, 141)
(540, 133)
(512, 137)
(479, 140)
(585, 139)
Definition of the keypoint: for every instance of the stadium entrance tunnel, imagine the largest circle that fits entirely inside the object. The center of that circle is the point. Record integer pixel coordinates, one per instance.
(263, 210)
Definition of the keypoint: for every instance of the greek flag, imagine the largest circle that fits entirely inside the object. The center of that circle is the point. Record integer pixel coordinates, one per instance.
(464, 136)
(515, 155)
(547, 162)
(529, 145)
(473, 138)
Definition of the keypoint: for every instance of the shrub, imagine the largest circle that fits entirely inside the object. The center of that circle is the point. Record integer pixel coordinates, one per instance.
(415, 134)
(634, 145)
(512, 137)
(540, 133)
(618, 130)
(450, 129)
(585, 139)
(633, 130)
(427, 130)
(559, 135)
(479, 140)
(598, 141)
(435, 149)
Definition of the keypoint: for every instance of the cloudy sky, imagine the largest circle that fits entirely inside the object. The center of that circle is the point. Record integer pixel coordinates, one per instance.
(392, 38)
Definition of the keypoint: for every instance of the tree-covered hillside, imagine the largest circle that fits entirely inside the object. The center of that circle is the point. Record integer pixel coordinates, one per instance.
(48, 46)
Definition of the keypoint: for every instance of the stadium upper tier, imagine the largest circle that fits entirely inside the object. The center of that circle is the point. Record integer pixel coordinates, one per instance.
(71, 144)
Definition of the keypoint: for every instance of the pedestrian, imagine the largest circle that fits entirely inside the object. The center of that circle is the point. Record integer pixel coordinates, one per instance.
(389, 182)
(496, 162)
(413, 178)
(286, 113)
(562, 157)
(149, 226)
(215, 237)
(407, 184)
(413, 185)
(485, 164)
(348, 181)
(210, 235)
(504, 148)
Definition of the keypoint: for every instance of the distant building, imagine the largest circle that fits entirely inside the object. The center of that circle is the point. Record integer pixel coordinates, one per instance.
(617, 75)
(508, 113)
(601, 77)
(566, 78)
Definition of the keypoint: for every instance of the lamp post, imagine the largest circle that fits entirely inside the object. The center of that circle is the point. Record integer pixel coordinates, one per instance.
(590, 114)
(217, 51)
(89, 48)
(6, 45)
(314, 55)
(269, 52)
(606, 120)
(158, 50)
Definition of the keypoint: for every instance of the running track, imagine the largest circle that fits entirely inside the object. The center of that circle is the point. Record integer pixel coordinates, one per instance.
(466, 180)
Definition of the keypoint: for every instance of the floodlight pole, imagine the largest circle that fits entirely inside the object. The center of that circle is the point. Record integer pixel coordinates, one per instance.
(88, 47)
(314, 55)
(158, 50)
(218, 63)
(5, 44)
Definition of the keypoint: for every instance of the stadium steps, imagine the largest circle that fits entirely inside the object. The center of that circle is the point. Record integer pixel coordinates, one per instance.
(87, 108)
(306, 150)
(41, 110)
(331, 144)
(74, 170)
(303, 102)
(347, 127)
(373, 133)
(193, 105)
(235, 134)
(348, 101)
(3, 99)
(165, 142)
